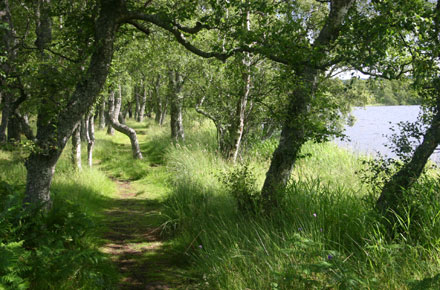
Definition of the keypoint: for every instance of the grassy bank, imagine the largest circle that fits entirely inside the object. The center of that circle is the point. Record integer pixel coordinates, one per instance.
(325, 235)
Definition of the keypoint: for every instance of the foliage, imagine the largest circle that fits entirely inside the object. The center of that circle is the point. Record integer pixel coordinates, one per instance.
(48, 251)
(241, 185)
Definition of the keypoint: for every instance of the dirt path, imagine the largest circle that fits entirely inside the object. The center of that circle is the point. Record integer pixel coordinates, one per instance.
(135, 244)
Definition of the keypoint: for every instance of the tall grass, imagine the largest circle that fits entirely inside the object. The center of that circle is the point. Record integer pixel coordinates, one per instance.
(326, 234)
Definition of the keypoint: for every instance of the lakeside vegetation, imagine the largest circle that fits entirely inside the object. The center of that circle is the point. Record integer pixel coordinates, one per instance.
(325, 235)
(205, 126)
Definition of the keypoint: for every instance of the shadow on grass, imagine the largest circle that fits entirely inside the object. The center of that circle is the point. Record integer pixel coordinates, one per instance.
(134, 241)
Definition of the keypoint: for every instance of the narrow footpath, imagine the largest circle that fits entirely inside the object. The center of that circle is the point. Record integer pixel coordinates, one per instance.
(134, 242)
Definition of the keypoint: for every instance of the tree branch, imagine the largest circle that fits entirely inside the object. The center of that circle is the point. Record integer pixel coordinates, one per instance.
(139, 27)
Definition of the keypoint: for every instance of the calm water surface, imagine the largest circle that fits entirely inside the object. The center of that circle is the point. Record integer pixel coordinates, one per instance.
(368, 135)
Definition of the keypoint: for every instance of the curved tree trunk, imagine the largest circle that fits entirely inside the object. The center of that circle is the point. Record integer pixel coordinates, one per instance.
(124, 129)
(293, 134)
(76, 148)
(392, 192)
(53, 135)
(291, 140)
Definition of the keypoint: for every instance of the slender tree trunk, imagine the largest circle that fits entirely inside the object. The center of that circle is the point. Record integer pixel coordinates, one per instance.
(138, 102)
(102, 115)
(5, 117)
(111, 108)
(237, 128)
(393, 191)
(142, 102)
(176, 99)
(76, 148)
(90, 139)
(123, 128)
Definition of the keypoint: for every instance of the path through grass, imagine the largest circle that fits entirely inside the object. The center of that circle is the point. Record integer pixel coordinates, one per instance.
(144, 259)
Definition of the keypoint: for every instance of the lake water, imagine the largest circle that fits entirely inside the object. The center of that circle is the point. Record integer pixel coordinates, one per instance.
(368, 135)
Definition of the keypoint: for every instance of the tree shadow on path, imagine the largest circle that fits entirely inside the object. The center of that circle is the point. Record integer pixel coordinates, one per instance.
(144, 260)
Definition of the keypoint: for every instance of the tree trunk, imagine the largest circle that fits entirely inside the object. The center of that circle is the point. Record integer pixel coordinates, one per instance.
(293, 133)
(83, 129)
(160, 106)
(121, 118)
(14, 129)
(102, 115)
(111, 108)
(176, 99)
(237, 128)
(138, 102)
(76, 148)
(143, 102)
(90, 139)
(52, 135)
(392, 192)
(25, 127)
(5, 117)
(123, 128)
(291, 141)
(40, 170)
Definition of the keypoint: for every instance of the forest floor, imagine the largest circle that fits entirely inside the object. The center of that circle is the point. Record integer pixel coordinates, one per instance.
(133, 217)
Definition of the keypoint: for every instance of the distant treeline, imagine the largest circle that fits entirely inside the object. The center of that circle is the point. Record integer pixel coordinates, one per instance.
(361, 92)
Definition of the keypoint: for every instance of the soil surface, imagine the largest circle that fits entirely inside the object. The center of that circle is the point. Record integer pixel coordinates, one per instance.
(135, 244)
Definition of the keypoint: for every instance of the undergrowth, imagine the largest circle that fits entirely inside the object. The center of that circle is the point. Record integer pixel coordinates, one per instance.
(58, 249)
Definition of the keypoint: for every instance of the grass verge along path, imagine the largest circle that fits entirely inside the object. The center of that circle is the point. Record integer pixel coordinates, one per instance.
(144, 259)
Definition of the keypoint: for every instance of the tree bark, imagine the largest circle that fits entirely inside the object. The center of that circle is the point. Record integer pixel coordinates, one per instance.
(83, 129)
(138, 102)
(111, 108)
(393, 191)
(5, 117)
(76, 148)
(123, 128)
(160, 103)
(14, 129)
(25, 127)
(293, 133)
(52, 135)
(143, 102)
(102, 115)
(90, 138)
(176, 99)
